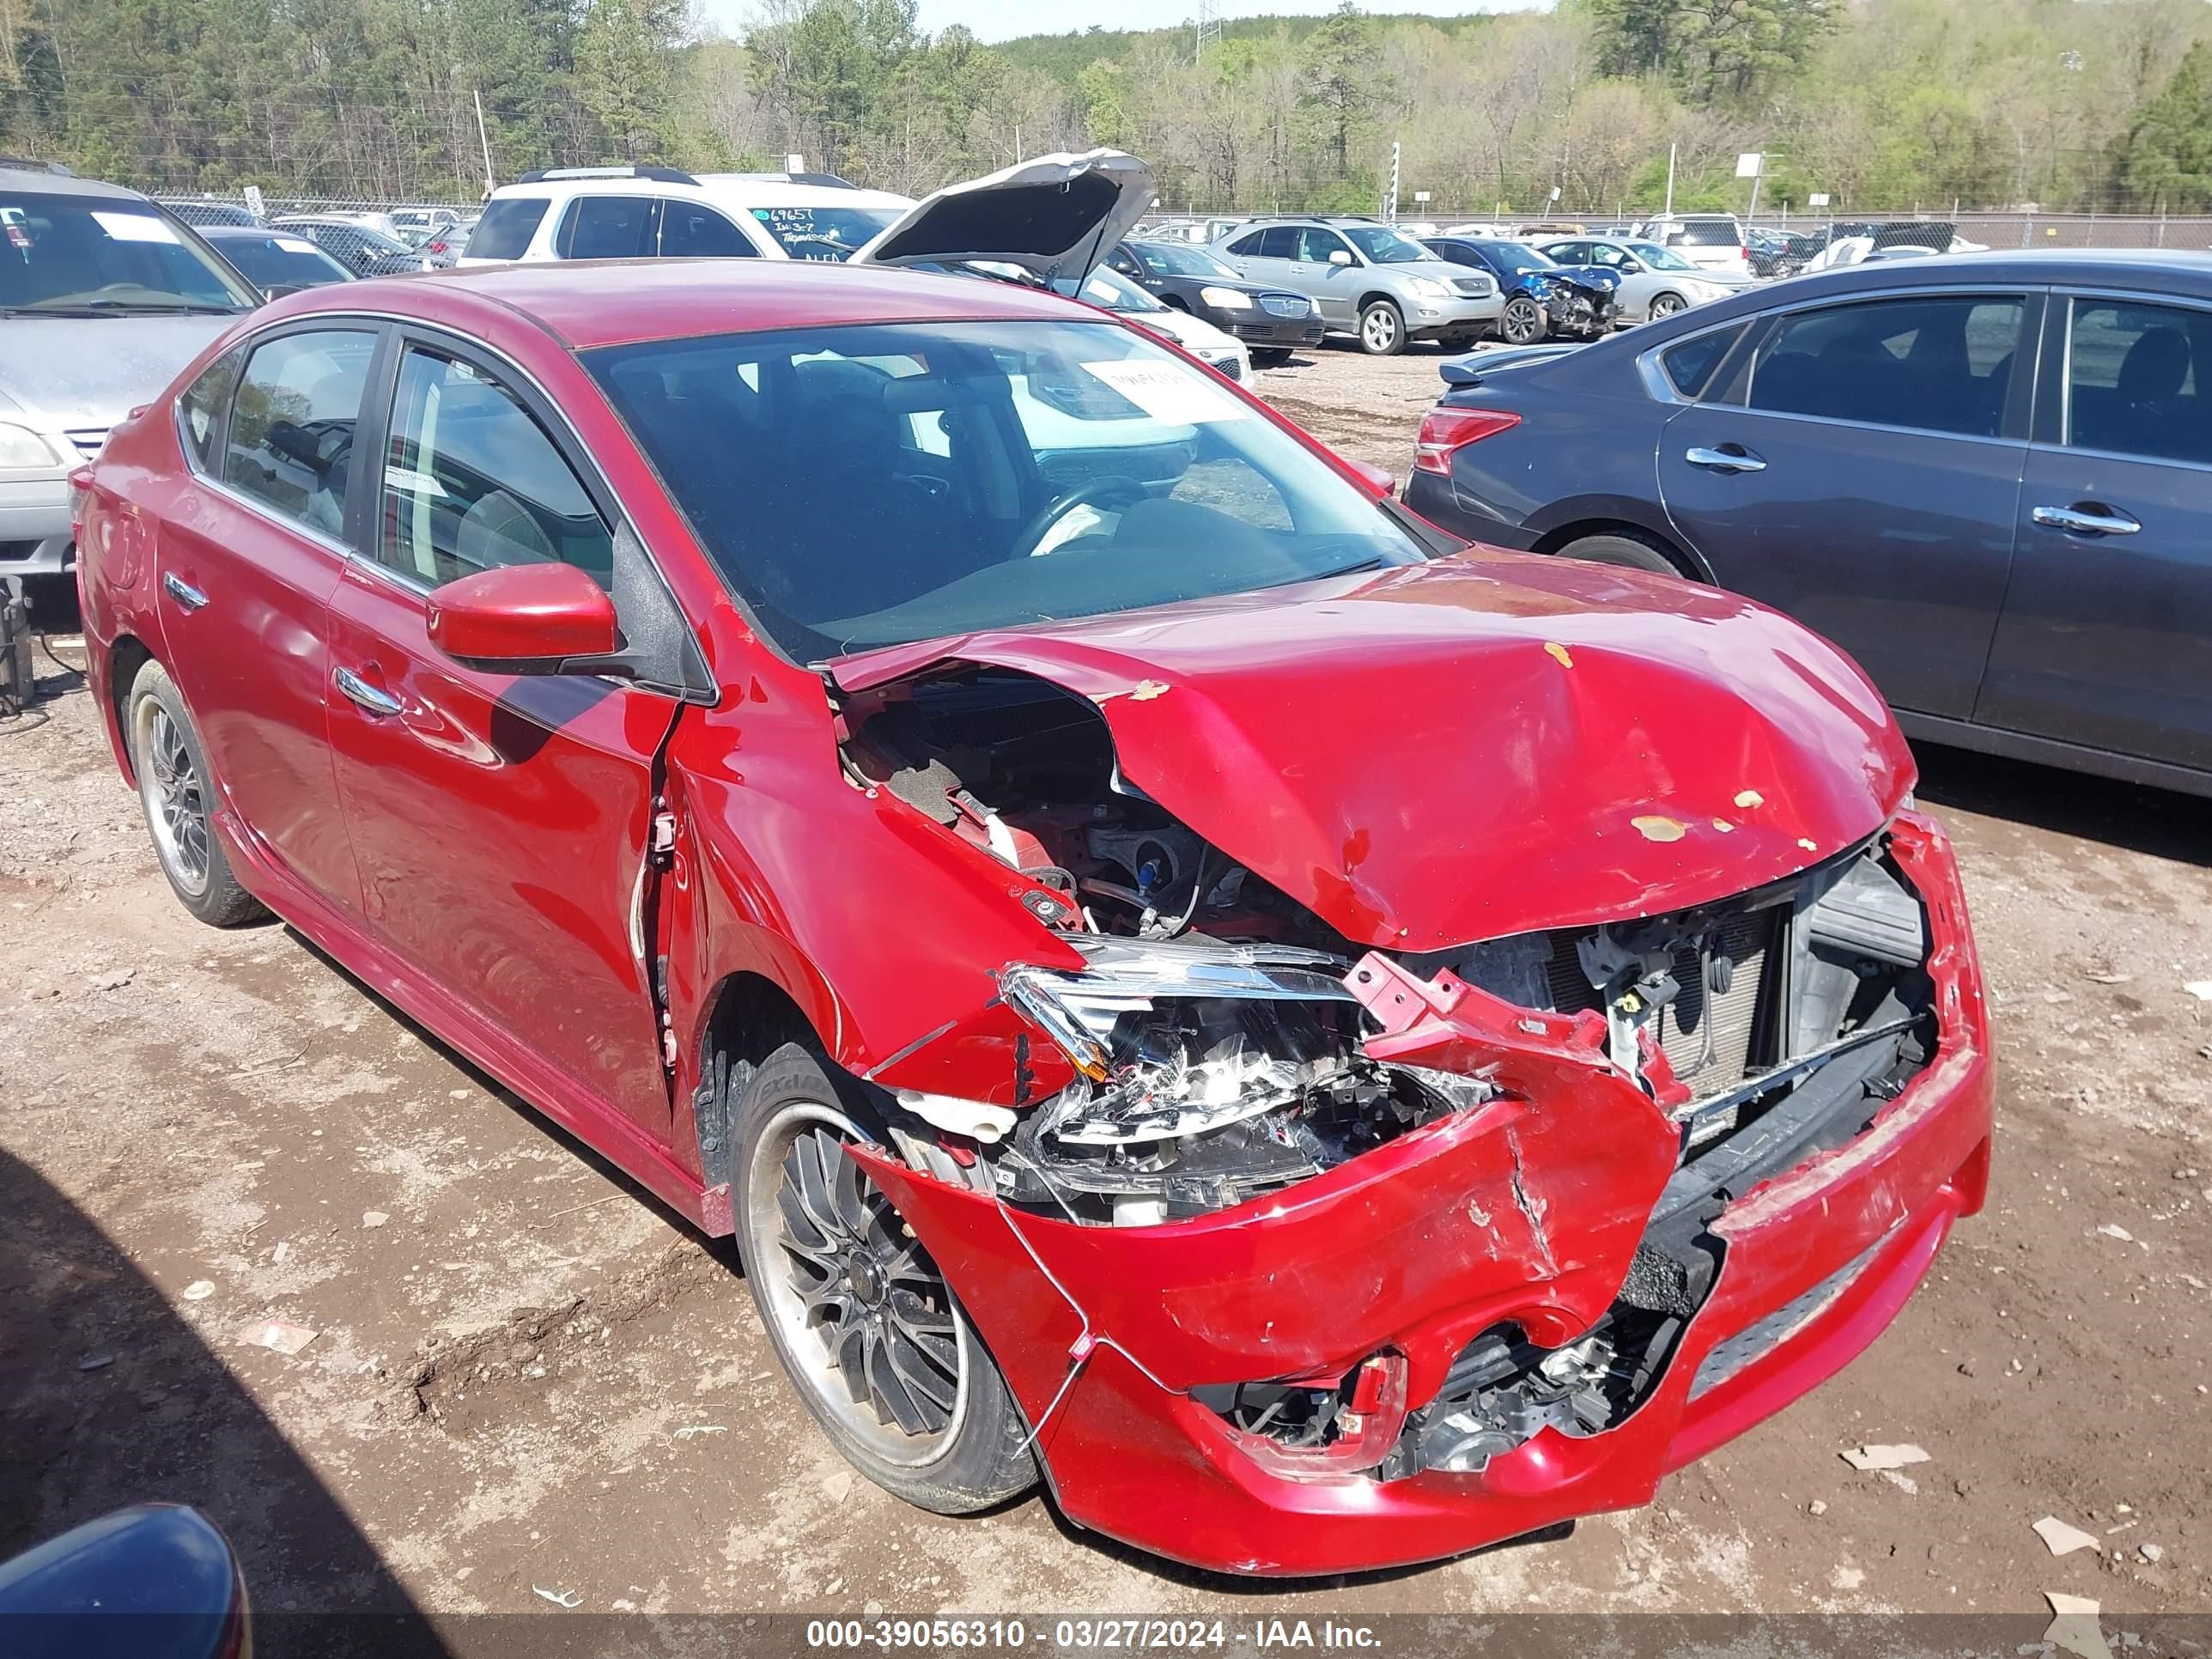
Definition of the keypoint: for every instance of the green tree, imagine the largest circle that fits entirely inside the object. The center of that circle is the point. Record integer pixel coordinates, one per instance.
(2168, 157)
(1343, 82)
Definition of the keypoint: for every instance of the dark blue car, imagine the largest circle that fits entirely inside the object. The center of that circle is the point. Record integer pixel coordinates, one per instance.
(1542, 297)
(1987, 476)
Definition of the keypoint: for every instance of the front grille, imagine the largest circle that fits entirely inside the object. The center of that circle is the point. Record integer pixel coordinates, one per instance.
(1711, 1047)
(88, 440)
(1474, 287)
(1230, 366)
(1285, 305)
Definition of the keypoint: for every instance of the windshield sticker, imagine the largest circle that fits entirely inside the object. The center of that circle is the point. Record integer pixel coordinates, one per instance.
(1168, 392)
(295, 245)
(135, 227)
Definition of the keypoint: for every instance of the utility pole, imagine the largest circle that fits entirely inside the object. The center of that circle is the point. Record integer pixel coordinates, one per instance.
(1668, 212)
(485, 139)
(1390, 201)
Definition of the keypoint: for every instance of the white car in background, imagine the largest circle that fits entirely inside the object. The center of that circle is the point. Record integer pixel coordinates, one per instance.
(648, 212)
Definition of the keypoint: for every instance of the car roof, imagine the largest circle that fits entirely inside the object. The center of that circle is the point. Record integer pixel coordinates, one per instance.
(588, 303)
(39, 181)
(726, 189)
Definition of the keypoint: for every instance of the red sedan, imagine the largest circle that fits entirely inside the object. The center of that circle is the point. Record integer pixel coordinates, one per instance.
(1329, 1048)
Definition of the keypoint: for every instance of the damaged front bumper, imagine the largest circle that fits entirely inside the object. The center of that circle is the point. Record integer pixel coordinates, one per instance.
(1453, 1299)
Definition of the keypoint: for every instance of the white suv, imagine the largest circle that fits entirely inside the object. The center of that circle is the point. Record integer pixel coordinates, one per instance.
(645, 212)
(1711, 241)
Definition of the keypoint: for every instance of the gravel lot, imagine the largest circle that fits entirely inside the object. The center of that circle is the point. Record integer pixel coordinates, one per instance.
(527, 1379)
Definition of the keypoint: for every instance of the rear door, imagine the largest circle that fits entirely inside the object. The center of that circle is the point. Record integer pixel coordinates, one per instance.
(692, 230)
(246, 558)
(2107, 636)
(500, 823)
(1860, 469)
(609, 228)
(1271, 255)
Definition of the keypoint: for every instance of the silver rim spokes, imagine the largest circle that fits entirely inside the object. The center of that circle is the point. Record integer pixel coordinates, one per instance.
(176, 800)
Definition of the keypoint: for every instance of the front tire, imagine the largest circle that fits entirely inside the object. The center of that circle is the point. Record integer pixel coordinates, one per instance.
(1272, 357)
(864, 1323)
(1521, 322)
(176, 791)
(1381, 330)
(1667, 305)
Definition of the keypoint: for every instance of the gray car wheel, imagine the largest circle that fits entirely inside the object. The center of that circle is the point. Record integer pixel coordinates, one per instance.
(1521, 322)
(1381, 330)
(1667, 304)
(178, 793)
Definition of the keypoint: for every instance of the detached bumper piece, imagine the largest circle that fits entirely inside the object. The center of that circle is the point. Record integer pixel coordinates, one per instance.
(1620, 1239)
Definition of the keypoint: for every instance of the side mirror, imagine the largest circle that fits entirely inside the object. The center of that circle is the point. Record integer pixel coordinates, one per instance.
(523, 619)
(1379, 484)
(1340, 256)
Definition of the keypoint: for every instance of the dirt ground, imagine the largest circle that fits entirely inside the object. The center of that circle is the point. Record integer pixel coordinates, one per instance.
(527, 1380)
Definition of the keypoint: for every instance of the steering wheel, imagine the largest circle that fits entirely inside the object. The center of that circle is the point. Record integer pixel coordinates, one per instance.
(1093, 494)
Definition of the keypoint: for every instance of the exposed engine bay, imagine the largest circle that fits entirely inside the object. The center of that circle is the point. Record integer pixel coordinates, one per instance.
(1220, 1054)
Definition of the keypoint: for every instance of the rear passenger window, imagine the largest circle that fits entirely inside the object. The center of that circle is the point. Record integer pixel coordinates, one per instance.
(199, 411)
(1690, 365)
(290, 442)
(689, 231)
(507, 227)
(608, 228)
(2135, 377)
(471, 482)
(1939, 364)
(1280, 243)
(1248, 247)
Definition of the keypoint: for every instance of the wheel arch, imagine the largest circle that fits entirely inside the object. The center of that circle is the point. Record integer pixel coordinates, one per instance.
(1384, 295)
(126, 655)
(1599, 522)
(749, 1015)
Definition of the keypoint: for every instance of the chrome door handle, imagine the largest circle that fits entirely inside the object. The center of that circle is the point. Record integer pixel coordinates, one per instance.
(2083, 522)
(182, 591)
(1725, 460)
(378, 702)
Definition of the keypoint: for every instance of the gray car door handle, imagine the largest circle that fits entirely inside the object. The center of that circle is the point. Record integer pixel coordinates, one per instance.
(1734, 460)
(182, 591)
(2088, 519)
(380, 703)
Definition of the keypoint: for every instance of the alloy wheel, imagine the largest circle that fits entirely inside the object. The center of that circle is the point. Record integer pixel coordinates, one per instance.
(176, 800)
(1666, 306)
(1521, 322)
(850, 1284)
(1378, 330)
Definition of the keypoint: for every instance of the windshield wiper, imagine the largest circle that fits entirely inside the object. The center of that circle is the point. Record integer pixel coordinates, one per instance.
(165, 307)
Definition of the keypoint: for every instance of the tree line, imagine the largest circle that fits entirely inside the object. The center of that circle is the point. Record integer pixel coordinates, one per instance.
(1882, 104)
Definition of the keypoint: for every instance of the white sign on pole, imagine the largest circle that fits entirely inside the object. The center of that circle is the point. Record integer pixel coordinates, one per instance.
(1555, 192)
(1750, 165)
(1420, 196)
(1818, 198)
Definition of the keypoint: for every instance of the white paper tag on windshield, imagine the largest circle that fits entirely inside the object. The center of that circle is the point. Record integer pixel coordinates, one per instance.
(1168, 392)
(294, 243)
(135, 227)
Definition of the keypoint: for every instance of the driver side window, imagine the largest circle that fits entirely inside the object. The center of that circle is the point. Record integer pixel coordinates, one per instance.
(472, 482)
(1315, 246)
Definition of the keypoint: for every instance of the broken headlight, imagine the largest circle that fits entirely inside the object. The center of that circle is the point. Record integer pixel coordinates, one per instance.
(1178, 1038)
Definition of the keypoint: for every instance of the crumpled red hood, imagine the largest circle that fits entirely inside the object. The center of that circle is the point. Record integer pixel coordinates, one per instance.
(1486, 745)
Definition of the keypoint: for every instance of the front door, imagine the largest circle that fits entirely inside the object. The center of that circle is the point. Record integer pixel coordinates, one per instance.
(2107, 637)
(501, 824)
(1860, 473)
(247, 554)
(1334, 283)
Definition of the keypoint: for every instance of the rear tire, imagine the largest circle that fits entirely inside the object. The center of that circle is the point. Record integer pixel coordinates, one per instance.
(879, 1349)
(178, 793)
(1626, 549)
(1381, 330)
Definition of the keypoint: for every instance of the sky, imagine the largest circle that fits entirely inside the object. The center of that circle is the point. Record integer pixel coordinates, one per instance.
(1002, 20)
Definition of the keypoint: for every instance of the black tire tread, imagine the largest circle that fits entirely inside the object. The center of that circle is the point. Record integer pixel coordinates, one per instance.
(226, 903)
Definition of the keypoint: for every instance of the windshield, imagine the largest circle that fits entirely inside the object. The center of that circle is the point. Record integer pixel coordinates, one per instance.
(1517, 258)
(1385, 248)
(1659, 258)
(97, 256)
(867, 486)
(271, 259)
(825, 232)
(1115, 292)
(1175, 260)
